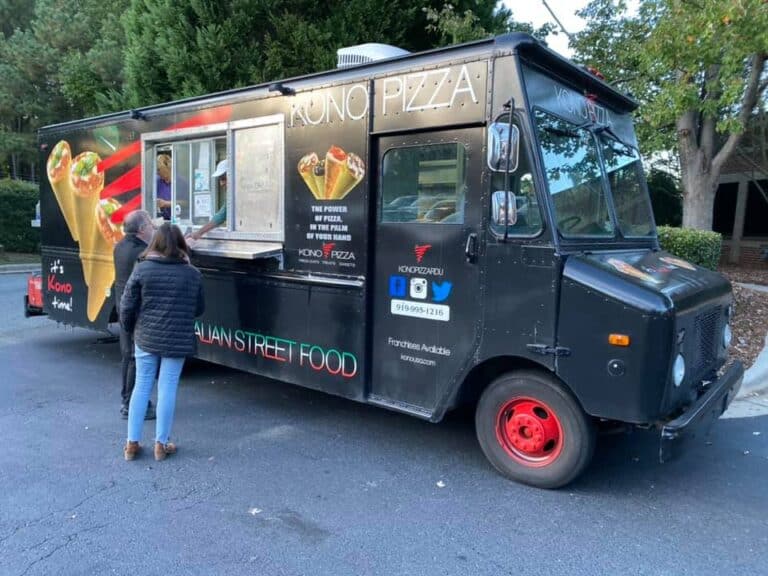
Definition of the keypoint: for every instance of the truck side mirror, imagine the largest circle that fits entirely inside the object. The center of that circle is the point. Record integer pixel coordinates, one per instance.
(498, 210)
(498, 139)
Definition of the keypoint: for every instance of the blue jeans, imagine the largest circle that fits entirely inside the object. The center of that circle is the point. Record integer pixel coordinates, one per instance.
(167, 383)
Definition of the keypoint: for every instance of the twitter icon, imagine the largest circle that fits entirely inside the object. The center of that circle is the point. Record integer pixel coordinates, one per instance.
(441, 291)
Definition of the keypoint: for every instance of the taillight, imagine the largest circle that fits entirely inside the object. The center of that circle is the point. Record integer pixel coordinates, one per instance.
(35, 291)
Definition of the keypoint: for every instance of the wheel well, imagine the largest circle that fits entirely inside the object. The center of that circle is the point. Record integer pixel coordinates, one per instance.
(485, 373)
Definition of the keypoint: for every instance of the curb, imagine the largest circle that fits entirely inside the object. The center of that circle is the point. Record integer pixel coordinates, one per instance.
(756, 377)
(755, 287)
(20, 268)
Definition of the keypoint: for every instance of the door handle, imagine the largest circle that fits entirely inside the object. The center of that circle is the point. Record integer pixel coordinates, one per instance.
(470, 249)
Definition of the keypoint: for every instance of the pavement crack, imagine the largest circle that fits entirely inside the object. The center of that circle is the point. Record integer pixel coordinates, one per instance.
(69, 538)
(111, 484)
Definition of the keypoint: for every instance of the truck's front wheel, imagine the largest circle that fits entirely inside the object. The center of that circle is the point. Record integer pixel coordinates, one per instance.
(532, 430)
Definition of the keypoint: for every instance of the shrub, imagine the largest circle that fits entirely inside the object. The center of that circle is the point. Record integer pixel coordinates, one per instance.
(697, 246)
(17, 210)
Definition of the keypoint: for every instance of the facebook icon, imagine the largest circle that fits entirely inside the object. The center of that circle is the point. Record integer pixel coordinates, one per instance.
(398, 286)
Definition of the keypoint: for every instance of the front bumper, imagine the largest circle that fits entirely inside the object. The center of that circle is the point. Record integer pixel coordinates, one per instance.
(700, 415)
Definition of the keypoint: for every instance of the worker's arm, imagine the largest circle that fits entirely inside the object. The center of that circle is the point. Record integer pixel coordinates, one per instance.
(218, 219)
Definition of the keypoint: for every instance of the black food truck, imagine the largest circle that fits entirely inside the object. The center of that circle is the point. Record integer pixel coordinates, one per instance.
(468, 225)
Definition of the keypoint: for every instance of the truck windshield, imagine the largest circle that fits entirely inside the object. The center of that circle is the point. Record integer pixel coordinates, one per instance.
(574, 177)
(623, 167)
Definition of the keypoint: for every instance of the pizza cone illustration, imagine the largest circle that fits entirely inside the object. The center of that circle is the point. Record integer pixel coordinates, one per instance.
(58, 167)
(677, 262)
(112, 232)
(342, 173)
(630, 270)
(98, 267)
(313, 173)
(86, 183)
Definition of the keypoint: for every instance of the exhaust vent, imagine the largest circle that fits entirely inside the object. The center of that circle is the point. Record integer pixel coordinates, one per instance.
(363, 53)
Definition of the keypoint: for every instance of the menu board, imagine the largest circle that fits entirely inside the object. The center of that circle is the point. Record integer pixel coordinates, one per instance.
(258, 175)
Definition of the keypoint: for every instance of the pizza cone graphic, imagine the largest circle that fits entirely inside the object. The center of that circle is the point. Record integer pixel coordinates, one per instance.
(630, 270)
(58, 167)
(112, 232)
(98, 268)
(342, 173)
(313, 173)
(86, 184)
(95, 250)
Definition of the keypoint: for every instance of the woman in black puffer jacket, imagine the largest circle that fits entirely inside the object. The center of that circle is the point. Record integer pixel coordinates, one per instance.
(161, 300)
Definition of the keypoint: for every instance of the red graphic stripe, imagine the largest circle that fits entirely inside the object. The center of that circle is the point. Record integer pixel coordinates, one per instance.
(125, 183)
(131, 180)
(132, 204)
(119, 156)
(221, 114)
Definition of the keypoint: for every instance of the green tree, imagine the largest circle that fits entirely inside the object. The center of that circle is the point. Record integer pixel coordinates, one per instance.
(698, 69)
(15, 14)
(175, 50)
(63, 63)
(666, 198)
(454, 26)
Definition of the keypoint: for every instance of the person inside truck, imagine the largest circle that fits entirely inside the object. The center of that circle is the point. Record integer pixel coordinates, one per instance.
(163, 186)
(220, 217)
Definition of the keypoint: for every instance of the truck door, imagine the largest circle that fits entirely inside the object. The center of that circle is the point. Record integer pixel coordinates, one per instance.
(426, 290)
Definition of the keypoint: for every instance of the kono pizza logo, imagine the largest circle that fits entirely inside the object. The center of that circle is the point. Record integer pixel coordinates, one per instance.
(420, 251)
(327, 252)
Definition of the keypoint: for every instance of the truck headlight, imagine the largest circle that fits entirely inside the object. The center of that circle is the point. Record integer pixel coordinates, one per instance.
(727, 336)
(678, 370)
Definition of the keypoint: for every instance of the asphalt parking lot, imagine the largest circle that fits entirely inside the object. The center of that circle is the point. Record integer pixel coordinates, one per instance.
(275, 479)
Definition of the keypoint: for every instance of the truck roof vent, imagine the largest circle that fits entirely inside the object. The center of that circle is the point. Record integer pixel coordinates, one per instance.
(362, 53)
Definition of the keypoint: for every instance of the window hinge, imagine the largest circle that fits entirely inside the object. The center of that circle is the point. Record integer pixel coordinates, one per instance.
(545, 350)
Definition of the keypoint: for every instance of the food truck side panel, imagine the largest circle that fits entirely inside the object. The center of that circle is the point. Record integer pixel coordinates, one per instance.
(427, 299)
(270, 321)
(240, 326)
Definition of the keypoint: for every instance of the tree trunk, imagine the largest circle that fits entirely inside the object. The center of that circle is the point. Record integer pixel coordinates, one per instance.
(698, 198)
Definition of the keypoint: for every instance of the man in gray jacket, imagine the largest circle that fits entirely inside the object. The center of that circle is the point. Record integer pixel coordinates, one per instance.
(138, 230)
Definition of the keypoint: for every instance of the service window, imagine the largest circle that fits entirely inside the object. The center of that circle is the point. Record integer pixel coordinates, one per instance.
(424, 184)
(184, 190)
(246, 200)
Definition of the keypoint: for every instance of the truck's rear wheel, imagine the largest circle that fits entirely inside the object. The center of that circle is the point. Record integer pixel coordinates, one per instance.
(533, 431)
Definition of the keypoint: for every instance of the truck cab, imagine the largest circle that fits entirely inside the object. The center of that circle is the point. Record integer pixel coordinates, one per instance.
(627, 332)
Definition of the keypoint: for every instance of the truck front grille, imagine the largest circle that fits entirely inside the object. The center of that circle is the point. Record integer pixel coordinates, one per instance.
(706, 327)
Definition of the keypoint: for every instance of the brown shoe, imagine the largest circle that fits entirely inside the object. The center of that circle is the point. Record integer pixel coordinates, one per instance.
(163, 450)
(131, 450)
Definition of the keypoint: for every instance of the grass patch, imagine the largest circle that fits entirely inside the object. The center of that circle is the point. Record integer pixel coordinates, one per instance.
(19, 258)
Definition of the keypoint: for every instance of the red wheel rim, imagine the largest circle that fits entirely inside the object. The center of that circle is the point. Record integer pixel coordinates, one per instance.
(530, 432)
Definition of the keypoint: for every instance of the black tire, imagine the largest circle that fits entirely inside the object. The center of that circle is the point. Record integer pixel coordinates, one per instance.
(563, 438)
